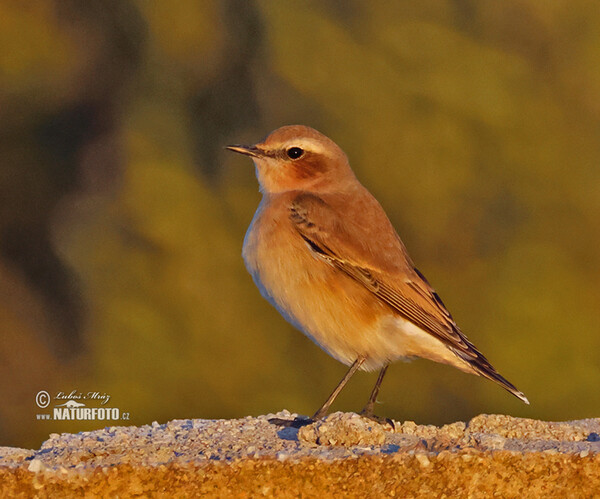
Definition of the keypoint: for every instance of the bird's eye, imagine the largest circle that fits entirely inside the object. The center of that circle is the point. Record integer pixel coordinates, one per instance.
(294, 152)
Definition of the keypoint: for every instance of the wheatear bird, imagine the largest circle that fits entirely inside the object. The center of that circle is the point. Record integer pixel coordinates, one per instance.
(323, 252)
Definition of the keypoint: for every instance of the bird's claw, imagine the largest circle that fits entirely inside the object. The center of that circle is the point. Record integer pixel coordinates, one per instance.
(297, 422)
(378, 419)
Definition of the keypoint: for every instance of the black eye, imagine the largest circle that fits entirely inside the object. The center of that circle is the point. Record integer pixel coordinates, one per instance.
(294, 152)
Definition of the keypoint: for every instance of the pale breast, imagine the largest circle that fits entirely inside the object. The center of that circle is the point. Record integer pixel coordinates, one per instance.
(336, 312)
(325, 304)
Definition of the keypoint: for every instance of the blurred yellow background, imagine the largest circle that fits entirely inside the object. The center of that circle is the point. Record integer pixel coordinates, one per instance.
(475, 123)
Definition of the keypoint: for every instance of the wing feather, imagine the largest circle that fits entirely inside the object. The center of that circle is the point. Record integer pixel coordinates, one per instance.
(409, 295)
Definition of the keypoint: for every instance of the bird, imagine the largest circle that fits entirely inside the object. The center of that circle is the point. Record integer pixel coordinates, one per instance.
(323, 252)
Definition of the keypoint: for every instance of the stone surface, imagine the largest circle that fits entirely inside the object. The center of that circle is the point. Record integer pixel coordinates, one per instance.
(343, 454)
(344, 430)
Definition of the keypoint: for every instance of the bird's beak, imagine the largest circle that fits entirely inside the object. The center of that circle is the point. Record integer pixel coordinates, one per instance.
(253, 151)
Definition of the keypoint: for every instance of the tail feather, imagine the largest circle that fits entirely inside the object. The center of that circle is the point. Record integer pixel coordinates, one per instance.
(483, 367)
(503, 382)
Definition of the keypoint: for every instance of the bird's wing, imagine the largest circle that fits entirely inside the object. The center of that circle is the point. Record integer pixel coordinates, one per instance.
(406, 291)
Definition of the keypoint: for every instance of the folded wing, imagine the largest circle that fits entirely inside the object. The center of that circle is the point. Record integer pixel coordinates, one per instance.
(403, 288)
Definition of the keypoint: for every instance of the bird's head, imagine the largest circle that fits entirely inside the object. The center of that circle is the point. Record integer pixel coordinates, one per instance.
(298, 157)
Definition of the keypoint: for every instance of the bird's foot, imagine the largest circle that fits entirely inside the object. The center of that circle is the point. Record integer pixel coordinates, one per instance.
(378, 419)
(297, 422)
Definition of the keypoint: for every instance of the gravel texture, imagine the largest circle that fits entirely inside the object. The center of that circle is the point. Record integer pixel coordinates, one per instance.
(342, 455)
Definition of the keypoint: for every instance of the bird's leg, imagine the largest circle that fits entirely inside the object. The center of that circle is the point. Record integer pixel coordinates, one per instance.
(303, 420)
(325, 407)
(368, 410)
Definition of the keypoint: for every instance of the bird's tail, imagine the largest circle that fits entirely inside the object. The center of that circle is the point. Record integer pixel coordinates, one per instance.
(503, 382)
(482, 367)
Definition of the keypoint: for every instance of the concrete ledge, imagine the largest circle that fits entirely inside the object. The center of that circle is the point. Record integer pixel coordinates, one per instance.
(342, 455)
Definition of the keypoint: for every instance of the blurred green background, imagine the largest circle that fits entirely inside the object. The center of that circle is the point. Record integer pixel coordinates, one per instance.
(475, 123)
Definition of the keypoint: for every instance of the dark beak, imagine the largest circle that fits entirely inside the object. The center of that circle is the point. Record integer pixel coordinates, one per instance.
(253, 151)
